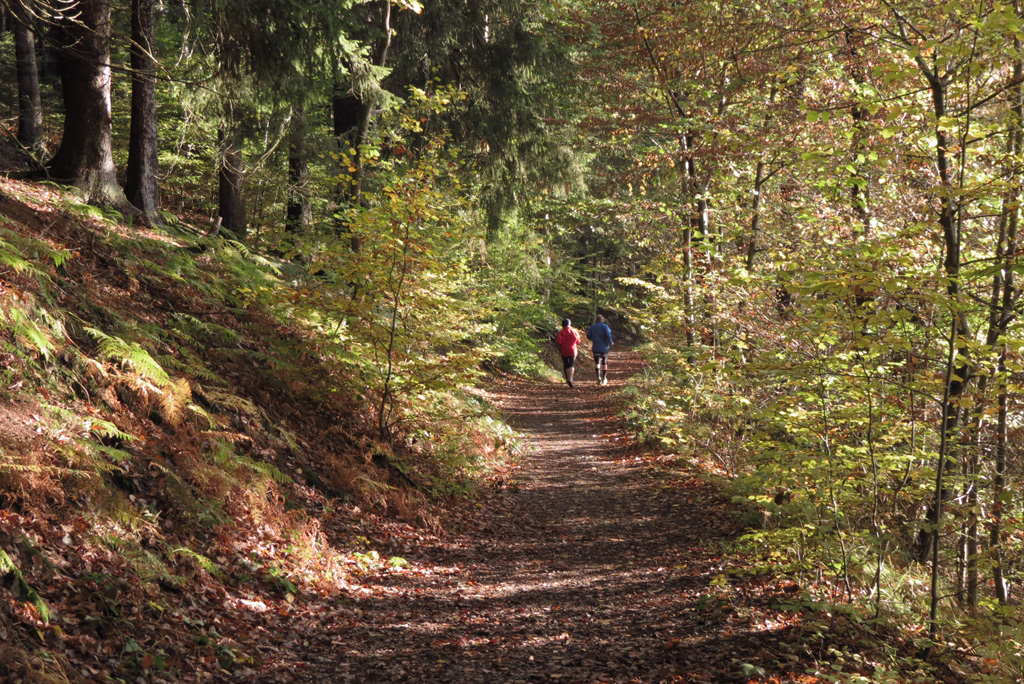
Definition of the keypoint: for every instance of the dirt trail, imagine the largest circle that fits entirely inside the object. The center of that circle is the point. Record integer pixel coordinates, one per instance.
(594, 568)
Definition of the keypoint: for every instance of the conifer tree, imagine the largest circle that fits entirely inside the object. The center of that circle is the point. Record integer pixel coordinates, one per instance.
(297, 211)
(85, 157)
(512, 71)
(30, 108)
(273, 62)
(141, 186)
(358, 95)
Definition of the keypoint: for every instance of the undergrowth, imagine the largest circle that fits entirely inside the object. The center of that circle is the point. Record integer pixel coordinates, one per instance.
(840, 544)
(168, 423)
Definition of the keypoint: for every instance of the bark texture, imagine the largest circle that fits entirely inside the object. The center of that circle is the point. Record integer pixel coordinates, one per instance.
(30, 108)
(231, 196)
(142, 182)
(85, 156)
(298, 214)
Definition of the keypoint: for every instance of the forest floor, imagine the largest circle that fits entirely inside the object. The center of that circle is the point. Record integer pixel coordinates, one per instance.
(598, 563)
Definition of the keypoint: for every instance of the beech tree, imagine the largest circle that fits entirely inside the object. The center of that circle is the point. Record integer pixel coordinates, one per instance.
(849, 325)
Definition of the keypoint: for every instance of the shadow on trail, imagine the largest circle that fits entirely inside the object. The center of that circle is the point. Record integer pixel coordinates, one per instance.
(593, 571)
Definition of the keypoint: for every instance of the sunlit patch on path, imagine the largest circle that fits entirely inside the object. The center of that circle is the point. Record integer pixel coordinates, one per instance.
(592, 569)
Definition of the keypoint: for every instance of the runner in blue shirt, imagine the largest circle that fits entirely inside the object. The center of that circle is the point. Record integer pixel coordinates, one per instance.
(600, 335)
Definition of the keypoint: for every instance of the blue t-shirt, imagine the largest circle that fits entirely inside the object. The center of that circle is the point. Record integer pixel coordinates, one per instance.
(601, 335)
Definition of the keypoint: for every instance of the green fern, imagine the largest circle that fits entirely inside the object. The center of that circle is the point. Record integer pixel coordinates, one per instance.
(12, 467)
(130, 353)
(269, 470)
(205, 511)
(122, 512)
(186, 338)
(190, 326)
(276, 363)
(289, 439)
(19, 254)
(146, 565)
(224, 453)
(239, 247)
(29, 332)
(60, 256)
(265, 264)
(169, 361)
(233, 402)
(202, 413)
(105, 428)
(375, 486)
(107, 215)
(198, 558)
(196, 367)
(12, 257)
(149, 567)
(9, 570)
(99, 457)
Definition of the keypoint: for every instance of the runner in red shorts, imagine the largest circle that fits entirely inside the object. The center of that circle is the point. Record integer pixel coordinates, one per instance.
(567, 341)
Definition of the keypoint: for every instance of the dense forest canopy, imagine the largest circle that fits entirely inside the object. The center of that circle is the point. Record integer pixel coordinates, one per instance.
(807, 209)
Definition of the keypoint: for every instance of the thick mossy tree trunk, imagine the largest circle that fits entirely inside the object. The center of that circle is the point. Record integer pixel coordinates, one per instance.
(85, 157)
(142, 185)
(30, 108)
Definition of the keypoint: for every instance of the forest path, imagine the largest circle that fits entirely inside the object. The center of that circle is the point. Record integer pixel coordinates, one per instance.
(595, 567)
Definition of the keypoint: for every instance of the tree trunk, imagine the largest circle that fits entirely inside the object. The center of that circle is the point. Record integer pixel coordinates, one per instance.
(973, 541)
(859, 191)
(353, 113)
(755, 219)
(1000, 314)
(758, 196)
(347, 109)
(85, 157)
(141, 185)
(688, 256)
(998, 489)
(1009, 297)
(958, 378)
(231, 180)
(30, 108)
(297, 213)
